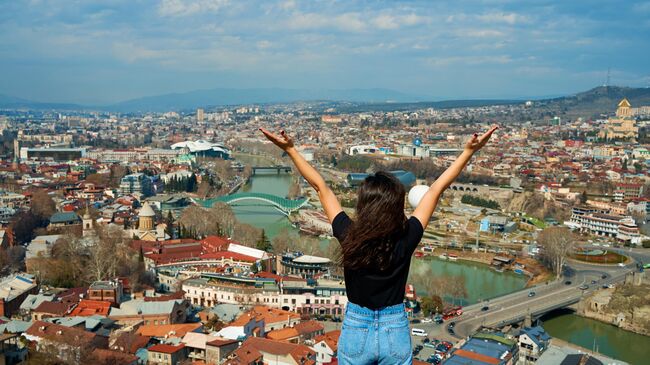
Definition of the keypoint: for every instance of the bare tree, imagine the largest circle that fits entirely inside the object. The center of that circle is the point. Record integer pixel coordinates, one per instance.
(558, 243)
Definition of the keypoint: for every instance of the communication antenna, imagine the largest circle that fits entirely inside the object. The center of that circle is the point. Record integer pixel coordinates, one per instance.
(609, 74)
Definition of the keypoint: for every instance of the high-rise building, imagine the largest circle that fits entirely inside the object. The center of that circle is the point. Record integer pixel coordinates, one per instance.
(199, 115)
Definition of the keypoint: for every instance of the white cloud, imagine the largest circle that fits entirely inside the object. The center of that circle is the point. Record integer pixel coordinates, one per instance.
(469, 60)
(479, 33)
(189, 7)
(264, 44)
(350, 22)
(389, 22)
(507, 18)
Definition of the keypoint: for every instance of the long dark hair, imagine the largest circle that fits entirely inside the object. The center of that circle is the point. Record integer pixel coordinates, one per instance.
(370, 240)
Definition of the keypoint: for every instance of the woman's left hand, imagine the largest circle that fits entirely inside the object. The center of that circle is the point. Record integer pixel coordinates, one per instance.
(283, 140)
(476, 142)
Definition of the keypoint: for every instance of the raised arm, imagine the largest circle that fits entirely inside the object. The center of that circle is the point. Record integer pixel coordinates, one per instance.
(424, 210)
(326, 196)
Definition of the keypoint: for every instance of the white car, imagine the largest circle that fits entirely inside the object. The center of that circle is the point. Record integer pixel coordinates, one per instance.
(620, 264)
(419, 332)
(427, 320)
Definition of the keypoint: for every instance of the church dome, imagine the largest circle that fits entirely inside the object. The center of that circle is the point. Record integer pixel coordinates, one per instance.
(146, 211)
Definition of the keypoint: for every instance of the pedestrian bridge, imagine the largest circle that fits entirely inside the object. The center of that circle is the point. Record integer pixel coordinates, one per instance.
(284, 205)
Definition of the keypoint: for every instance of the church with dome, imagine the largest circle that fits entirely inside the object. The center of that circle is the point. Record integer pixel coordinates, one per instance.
(147, 229)
(623, 126)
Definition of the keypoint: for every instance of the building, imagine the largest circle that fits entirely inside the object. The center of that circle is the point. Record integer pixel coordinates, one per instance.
(203, 148)
(69, 341)
(592, 221)
(257, 350)
(533, 341)
(137, 183)
(164, 354)
(326, 347)
(627, 191)
(163, 312)
(64, 219)
(13, 291)
(305, 266)
(623, 126)
(485, 348)
(108, 291)
(199, 115)
(52, 154)
(208, 348)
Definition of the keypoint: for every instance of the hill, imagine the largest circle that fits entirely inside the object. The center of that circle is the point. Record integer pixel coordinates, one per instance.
(602, 99)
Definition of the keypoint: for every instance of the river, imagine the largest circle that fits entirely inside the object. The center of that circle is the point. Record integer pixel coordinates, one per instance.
(606, 338)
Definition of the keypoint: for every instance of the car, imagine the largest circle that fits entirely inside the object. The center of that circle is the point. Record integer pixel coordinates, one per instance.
(451, 331)
(620, 264)
(451, 325)
(419, 332)
(425, 340)
(531, 294)
(593, 282)
(419, 347)
(447, 344)
(438, 319)
(568, 282)
(427, 320)
(605, 286)
(431, 345)
(604, 276)
(485, 309)
(610, 286)
(415, 321)
(415, 352)
(583, 287)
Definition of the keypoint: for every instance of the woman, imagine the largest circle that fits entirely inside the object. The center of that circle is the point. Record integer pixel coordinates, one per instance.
(376, 252)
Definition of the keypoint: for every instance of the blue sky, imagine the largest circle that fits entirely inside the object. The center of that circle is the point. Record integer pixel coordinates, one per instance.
(108, 51)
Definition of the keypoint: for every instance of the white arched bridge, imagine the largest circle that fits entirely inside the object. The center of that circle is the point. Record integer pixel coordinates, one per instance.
(284, 205)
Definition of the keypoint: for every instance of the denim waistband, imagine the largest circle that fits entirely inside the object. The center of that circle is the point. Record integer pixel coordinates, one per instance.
(364, 311)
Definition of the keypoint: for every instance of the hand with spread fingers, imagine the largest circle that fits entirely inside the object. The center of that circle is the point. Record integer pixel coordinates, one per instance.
(283, 140)
(476, 142)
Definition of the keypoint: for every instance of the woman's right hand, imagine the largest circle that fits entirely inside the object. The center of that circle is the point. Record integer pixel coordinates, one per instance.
(283, 140)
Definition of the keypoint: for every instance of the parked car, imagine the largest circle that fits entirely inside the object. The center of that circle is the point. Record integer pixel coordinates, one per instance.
(568, 282)
(593, 282)
(583, 287)
(431, 345)
(620, 264)
(427, 320)
(415, 321)
(485, 308)
(531, 293)
(604, 276)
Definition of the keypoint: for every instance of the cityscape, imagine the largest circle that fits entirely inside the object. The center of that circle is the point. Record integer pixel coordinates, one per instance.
(164, 228)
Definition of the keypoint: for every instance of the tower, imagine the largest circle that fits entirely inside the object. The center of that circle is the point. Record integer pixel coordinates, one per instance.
(87, 222)
(16, 153)
(199, 115)
(145, 218)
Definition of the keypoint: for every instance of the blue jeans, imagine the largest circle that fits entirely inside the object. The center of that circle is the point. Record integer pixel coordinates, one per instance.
(375, 336)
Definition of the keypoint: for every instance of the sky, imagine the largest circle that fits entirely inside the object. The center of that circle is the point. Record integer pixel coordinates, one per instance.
(100, 52)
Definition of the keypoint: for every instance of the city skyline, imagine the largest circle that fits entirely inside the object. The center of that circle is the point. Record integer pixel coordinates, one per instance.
(92, 53)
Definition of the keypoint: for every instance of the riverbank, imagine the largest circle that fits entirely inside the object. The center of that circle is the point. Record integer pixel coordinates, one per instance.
(604, 338)
(535, 271)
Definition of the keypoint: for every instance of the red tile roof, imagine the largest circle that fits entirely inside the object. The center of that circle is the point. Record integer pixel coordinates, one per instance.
(166, 349)
(58, 333)
(331, 339)
(476, 356)
(87, 308)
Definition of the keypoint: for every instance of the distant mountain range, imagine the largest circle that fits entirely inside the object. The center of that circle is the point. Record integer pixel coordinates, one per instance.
(600, 99)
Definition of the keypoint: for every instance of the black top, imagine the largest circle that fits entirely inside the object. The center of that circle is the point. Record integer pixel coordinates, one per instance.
(376, 289)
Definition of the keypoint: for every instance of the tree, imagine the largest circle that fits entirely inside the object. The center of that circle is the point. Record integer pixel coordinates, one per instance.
(431, 304)
(42, 205)
(263, 243)
(583, 197)
(282, 241)
(557, 244)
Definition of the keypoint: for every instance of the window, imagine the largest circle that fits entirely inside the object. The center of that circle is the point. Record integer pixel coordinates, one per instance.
(286, 300)
(307, 301)
(293, 301)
